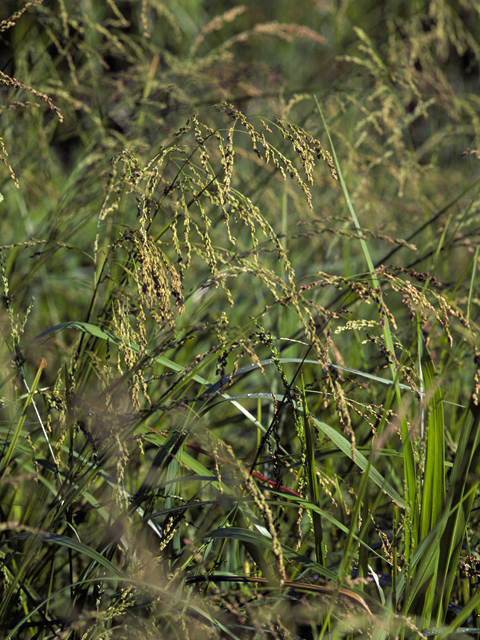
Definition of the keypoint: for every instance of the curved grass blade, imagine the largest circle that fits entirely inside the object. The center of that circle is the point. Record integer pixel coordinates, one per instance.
(359, 459)
(73, 544)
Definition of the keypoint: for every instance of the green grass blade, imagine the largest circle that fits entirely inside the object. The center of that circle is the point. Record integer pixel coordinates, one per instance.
(346, 446)
(311, 469)
(460, 495)
(433, 491)
(20, 422)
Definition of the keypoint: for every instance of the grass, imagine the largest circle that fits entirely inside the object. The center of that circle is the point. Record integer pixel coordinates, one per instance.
(239, 367)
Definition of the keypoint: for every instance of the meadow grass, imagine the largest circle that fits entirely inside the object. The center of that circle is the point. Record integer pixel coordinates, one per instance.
(240, 358)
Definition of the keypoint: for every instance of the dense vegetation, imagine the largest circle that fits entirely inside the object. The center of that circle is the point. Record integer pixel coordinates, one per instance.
(239, 362)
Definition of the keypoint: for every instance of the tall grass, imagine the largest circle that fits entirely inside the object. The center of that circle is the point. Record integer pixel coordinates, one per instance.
(239, 358)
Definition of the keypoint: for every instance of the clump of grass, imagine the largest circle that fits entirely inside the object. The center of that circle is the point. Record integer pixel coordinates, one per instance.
(238, 405)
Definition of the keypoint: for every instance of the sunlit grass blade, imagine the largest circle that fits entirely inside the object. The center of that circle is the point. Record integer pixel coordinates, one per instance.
(433, 489)
(359, 459)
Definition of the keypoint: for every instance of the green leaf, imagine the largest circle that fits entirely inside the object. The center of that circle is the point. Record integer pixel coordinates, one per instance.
(359, 459)
(75, 545)
(433, 492)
